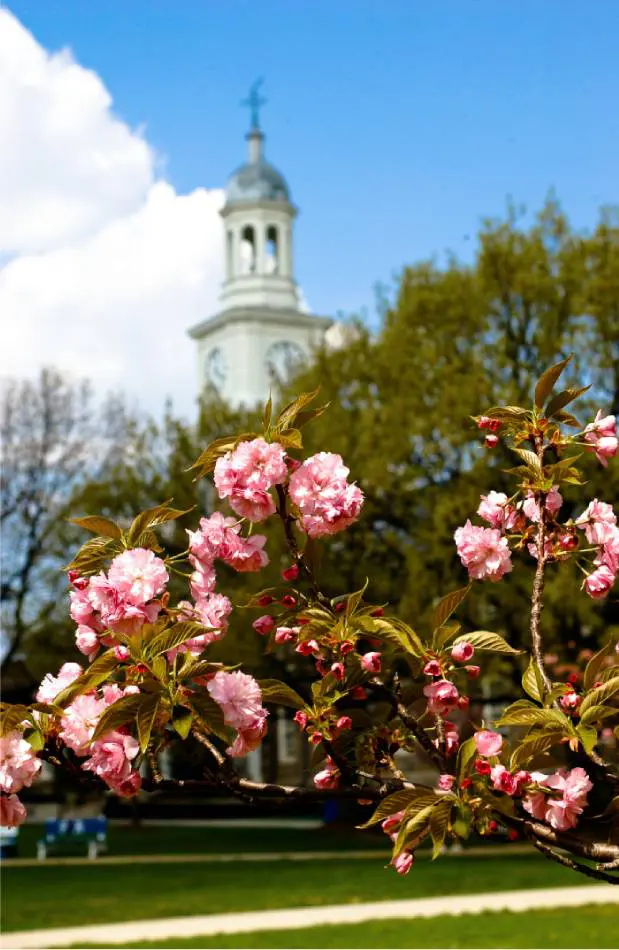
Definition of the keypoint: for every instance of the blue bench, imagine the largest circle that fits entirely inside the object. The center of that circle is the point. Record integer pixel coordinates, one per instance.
(65, 835)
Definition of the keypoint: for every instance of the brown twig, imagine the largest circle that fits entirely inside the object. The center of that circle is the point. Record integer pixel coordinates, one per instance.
(538, 581)
(599, 875)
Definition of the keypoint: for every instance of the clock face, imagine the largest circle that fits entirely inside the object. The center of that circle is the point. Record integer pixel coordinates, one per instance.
(215, 367)
(284, 358)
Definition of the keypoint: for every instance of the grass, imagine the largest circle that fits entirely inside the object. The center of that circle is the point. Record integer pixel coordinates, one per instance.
(170, 839)
(587, 927)
(57, 896)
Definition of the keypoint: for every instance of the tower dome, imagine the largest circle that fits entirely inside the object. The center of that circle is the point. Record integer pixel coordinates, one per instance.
(256, 181)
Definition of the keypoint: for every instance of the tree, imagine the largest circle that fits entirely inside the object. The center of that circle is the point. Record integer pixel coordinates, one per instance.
(55, 438)
(380, 685)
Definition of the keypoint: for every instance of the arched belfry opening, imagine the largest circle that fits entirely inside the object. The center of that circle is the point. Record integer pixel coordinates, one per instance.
(271, 251)
(249, 256)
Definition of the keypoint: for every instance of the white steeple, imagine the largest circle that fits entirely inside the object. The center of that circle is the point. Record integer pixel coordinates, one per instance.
(260, 333)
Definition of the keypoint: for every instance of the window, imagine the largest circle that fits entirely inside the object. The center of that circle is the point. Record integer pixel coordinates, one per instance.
(230, 253)
(248, 250)
(272, 250)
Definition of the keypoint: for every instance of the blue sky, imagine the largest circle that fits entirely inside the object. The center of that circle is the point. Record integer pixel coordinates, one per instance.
(398, 124)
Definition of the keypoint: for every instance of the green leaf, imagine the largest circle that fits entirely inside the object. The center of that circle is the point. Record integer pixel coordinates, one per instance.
(547, 381)
(598, 696)
(98, 525)
(412, 828)
(353, 600)
(145, 717)
(442, 635)
(268, 411)
(307, 415)
(462, 820)
(290, 439)
(397, 802)
(395, 630)
(447, 605)
(564, 399)
(98, 671)
(534, 717)
(507, 412)
(289, 413)
(174, 636)
(535, 745)
(567, 419)
(120, 713)
(588, 736)
(91, 557)
(486, 640)
(532, 682)
(151, 518)
(530, 459)
(439, 823)
(466, 753)
(279, 693)
(596, 713)
(595, 664)
(211, 716)
(182, 719)
(11, 716)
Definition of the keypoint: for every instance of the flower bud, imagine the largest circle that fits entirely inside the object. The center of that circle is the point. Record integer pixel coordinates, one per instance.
(371, 662)
(358, 693)
(264, 624)
(338, 671)
(288, 601)
(265, 600)
(291, 573)
(121, 652)
(300, 718)
(491, 441)
(462, 652)
(473, 671)
(344, 723)
(307, 648)
(432, 668)
(346, 647)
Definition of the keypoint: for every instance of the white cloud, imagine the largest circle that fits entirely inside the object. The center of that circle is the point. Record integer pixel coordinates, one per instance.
(109, 266)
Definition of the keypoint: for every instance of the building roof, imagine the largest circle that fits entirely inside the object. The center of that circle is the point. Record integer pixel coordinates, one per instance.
(256, 181)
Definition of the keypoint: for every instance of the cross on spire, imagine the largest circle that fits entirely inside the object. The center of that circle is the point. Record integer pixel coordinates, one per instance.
(254, 101)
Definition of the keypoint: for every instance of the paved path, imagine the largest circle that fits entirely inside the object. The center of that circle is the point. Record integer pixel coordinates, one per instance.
(109, 935)
(489, 851)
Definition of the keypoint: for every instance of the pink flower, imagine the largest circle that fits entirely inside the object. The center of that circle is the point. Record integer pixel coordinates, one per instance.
(601, 435)
(87, 641)
(138, 574)
(488, 742)
(264, 624)
(432, 668)
(202, 580)
(494, 509)
(599, 582)
(52, 685)
(111, 758)
(219, 537)
(329, 777)
(81, 609)
(286, 634)
(301, 719)
(392, 822)
(326, 501)
(553, 503)
(245, 476)
(503, 780)
(462, 652)
(442, 696)
(445, 782)
(570, 701)
(213, 612)
(483, 552)
(404, 862)
(12, 812)
(307, 648)
(80, 721)
(566, 801)
(18, 763)
(248, 739)
(371, 662)
(240, 698)
(598, 521)
(608, 555)
(486, 422)
(452, 736)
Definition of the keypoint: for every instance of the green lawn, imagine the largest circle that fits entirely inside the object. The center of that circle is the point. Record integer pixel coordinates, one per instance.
(56, 896)
(587, 927)
(170, 839)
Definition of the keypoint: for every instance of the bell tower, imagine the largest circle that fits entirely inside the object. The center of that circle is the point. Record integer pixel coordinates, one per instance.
(260, 333)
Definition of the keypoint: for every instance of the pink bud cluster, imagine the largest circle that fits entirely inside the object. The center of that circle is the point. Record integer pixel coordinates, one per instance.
(329, 777)
(240, 698)
(121, 601)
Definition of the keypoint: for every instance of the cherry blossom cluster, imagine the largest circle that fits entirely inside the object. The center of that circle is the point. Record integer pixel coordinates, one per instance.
(240, 698)
(122, 600)
(486, 552)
